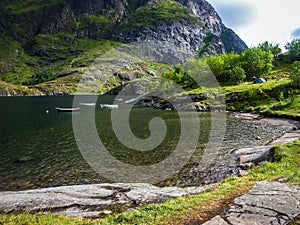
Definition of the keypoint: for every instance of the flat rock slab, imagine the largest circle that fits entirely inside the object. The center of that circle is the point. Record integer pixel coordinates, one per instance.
(89, 201)
(254, 155)
(267, 203)
(258, 154)
(286, 138)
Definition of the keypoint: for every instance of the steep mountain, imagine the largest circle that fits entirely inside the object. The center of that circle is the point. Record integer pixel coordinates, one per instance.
(52, 44)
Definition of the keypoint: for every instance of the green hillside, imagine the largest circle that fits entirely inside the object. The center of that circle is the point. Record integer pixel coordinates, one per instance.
(44, 40)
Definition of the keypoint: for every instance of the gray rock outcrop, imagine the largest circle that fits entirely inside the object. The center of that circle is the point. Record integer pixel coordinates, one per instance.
(267, 203)
(177, 41)
(90, 201)
(259, 154)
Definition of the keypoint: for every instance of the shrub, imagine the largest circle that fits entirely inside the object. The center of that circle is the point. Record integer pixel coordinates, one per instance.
(237, 75)
(41, 77)
(221, 64)
(295, 74)
(256, 62)
(293, 50)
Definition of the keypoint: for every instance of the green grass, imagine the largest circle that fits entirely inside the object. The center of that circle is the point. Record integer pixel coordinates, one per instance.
(97, 26)
(10, 89)
(196, 207)
(28, 219)
(48, 54)
(91, 50)
(165, 12)
(277, 98)
(286, 164)
(19, 7)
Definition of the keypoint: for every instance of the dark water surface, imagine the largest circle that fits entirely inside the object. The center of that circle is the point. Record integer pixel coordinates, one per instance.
(38, 149)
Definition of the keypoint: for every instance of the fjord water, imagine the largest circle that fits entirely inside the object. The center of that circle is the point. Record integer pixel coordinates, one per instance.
(38, 149)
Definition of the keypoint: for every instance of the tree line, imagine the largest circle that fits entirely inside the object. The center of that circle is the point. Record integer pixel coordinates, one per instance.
(232, 68)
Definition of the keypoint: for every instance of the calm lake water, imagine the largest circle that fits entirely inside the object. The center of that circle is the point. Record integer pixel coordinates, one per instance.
(38, 149)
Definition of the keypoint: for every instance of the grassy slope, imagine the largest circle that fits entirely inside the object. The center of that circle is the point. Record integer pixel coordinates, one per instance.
(277, 97)
(165, 12)
(21, 63)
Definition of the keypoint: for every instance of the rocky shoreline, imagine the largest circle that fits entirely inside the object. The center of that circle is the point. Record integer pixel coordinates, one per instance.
(247, 157)
(97, 200)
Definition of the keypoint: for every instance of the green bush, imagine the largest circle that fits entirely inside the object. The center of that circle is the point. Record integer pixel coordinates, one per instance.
(235, 68)
(295, 74)
(41, 77)
(293, 50)
(256, 62)
(273, 48)
(237, 75)
(179, 76)
(220, 65)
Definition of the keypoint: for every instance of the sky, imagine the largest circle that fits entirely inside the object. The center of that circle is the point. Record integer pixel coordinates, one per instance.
(256, 21)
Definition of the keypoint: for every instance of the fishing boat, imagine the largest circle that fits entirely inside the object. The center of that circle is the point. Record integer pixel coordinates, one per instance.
(107, 106)
(58, 109)
(87, 103)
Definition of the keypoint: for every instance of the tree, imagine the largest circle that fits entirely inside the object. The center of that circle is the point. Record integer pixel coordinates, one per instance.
(293, 49)
(180, 75)
(295, 75)
(273, 48)
(237, 75)
(221, 64)
(256, 62)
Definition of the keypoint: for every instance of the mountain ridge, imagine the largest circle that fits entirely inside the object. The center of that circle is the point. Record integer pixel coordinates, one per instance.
(45, 37)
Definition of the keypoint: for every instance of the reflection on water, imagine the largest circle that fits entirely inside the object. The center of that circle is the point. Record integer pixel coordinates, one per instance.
(38, 149)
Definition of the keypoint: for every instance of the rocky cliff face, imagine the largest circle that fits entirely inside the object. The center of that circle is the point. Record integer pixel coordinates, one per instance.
(87, 18)
(45, 37)
(177, 41)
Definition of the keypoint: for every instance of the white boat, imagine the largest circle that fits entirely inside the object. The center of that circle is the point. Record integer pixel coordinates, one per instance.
(107, 106)
(133, 100)
(58, 109)
(87, 103)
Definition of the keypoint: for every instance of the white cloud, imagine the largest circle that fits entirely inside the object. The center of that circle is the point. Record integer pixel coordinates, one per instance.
(236, 14)
(274, 22)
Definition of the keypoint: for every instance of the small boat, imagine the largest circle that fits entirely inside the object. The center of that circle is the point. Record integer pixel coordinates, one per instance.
(87, 103)
(58, 109)
(107, 106)
(133, 100)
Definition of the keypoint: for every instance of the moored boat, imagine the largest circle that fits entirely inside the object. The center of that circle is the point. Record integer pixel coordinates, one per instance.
(58, 109)
(87, 103)
(107, 106)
